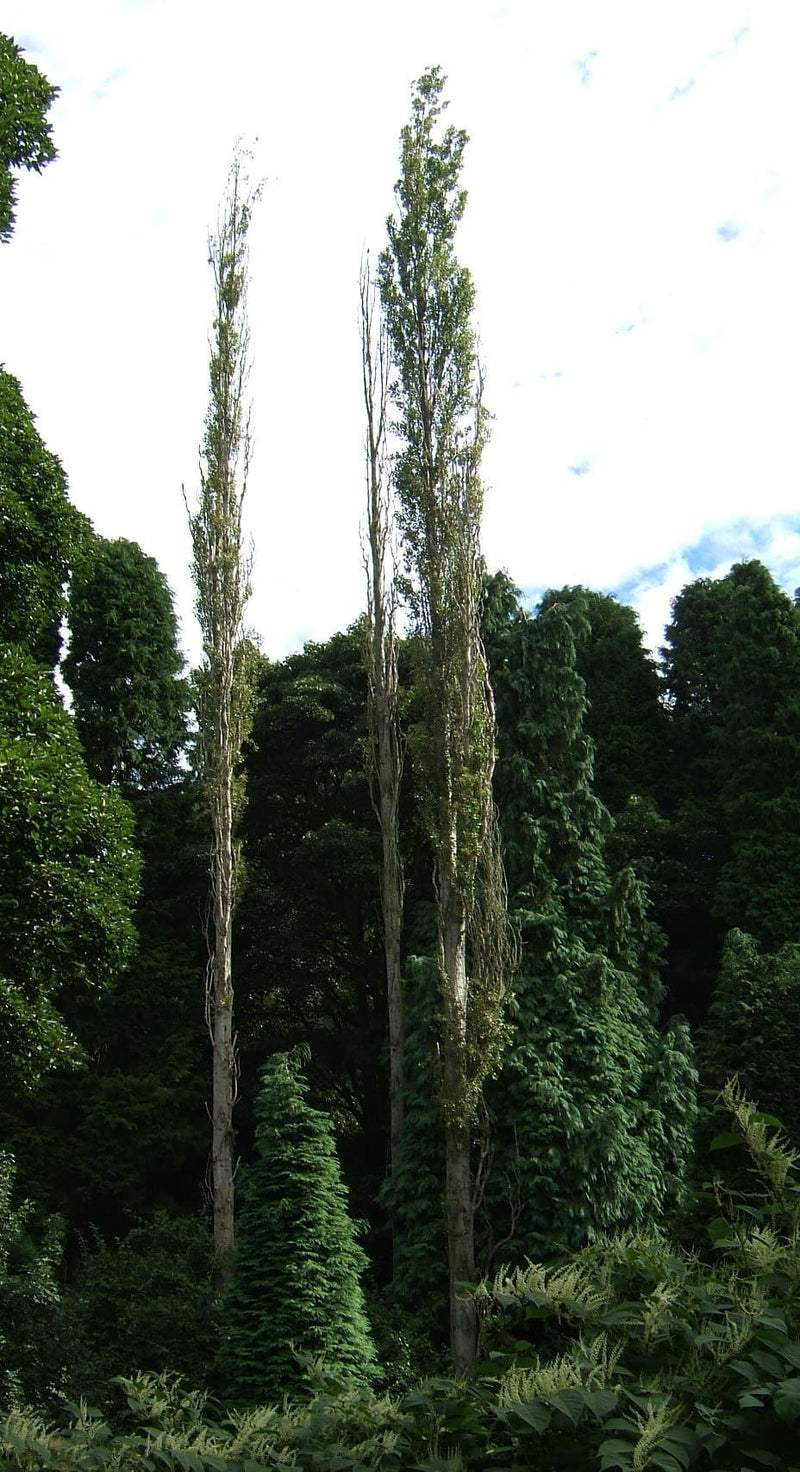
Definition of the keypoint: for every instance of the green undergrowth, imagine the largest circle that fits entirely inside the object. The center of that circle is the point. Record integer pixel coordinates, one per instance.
(631, 1354)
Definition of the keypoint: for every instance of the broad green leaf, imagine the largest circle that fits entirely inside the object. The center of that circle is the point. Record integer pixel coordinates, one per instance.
(726, 1140)
(787, 1400)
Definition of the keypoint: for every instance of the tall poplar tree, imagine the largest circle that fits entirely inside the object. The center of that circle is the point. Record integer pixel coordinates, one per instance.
(441, 422)
(384, 753)
(221, 574)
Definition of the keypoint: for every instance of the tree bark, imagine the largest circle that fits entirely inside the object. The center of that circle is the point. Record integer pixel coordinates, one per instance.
(460, 1213)
(221, 1030)
(385, 756)
(221, 575)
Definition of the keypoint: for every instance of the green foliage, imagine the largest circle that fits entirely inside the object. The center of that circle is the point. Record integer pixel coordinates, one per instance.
(310, 911)
(702, 1357)
(633, 1355)
(123, 666)
(128, 1132)
(428, 299)
(624, 718)
(732, 670)
(40, 532)
(33, 1348)
(144, 1303)
(69, 873)
(593, 1109)
(753, 1027)
(296, 1288)
(414, 1192)
(308, 941)
(220, 565)
(25, 138)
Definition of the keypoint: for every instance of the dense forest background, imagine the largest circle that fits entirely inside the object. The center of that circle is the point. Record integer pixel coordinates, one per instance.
(648, 814)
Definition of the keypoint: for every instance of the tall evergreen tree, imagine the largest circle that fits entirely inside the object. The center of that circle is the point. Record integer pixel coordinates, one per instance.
(625, 719)
(310, 910)
(593, 1109)
(732, 675)
(753, 1028)
(296, 1283)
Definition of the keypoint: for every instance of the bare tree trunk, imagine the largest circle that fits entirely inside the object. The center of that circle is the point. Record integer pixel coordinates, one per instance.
(224, 1067)
(385, 754)
(460, 1212)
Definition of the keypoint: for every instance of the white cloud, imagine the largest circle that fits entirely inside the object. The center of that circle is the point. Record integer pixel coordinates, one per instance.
(593, 210)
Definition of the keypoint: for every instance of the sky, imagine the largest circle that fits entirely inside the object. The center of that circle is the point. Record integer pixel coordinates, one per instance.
(632, 228)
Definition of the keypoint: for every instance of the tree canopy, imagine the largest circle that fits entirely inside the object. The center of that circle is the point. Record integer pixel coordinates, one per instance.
(40, 532)
(25, 131)
(69, 873)
(124, 666)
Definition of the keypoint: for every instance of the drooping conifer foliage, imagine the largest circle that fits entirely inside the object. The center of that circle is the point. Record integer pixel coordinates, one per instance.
(753, 1028)
(296, 1286)
(732, 675)
(593, 1109)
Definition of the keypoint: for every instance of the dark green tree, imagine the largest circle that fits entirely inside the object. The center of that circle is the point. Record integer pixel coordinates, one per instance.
(753, 1027)
(69, 874)
(144, 1303)
(593, 1109)
(127, 1131)
(34, 1350)
(732, 675)
(123, 666)
(625, 719)
(296, 1284)
(40, 532)
(310, 911)
(25, 133)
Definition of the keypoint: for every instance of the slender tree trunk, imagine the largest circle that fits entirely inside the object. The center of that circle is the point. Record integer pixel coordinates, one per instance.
(221, 574)
(224, 1066)
(392, 936)
(438, 394)
(458, 1166)
(385, 761)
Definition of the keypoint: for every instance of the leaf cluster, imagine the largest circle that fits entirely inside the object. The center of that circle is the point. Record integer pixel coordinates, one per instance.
(25, 133)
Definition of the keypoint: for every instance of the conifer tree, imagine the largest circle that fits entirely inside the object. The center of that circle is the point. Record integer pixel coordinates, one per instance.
(297, 1268)
(732, 676)
(593, 1109)
(753, 1027)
